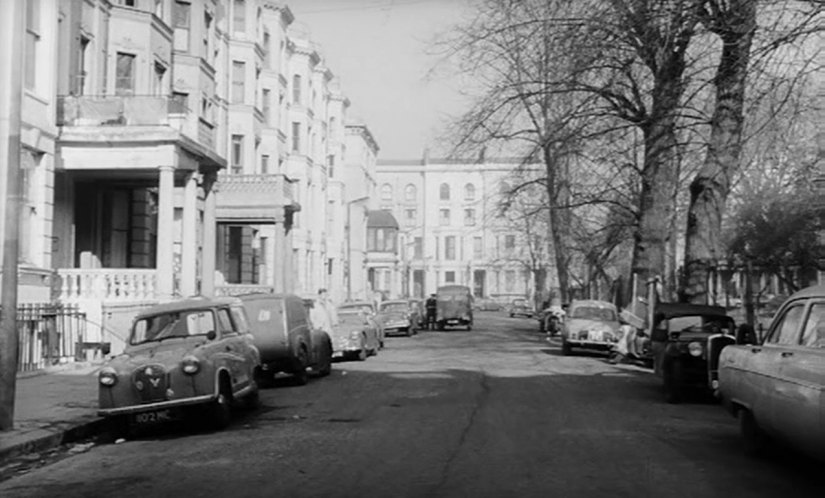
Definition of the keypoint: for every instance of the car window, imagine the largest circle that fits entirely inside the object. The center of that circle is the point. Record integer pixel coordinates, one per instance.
(239, 318)
(813, 334)
(787, 328)
(224, 322)
(594, 313)
(392, 307)
(167, 325)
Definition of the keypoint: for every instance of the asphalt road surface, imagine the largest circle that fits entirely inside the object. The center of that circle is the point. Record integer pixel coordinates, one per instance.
(492, 412)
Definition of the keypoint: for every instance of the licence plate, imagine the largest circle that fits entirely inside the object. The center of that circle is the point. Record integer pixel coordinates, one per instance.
(154, 417)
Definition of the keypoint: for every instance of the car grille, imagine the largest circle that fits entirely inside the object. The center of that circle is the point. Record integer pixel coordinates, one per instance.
(150, 382)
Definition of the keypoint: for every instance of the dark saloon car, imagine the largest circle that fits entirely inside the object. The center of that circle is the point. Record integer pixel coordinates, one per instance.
(520, 307)
(686, 340)
(192, 358)
(285, 339)
(395, 318)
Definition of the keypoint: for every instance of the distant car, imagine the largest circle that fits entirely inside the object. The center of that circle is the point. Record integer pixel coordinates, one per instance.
(486, 304)
(685, 341)
(776, 386)
(357, 334)
(284, 337)
(394, 317)
(193, 358)
(520, 307)
(591, 325)
(454, 306)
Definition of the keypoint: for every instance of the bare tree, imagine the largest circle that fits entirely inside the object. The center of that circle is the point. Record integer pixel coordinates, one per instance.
(735, 24)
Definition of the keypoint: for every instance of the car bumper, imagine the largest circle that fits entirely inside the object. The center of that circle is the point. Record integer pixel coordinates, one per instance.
(397, 329)
(594, 345)
(160, 405)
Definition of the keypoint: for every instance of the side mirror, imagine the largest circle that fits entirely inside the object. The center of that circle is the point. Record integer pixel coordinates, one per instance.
(745, 334)
(211, 335)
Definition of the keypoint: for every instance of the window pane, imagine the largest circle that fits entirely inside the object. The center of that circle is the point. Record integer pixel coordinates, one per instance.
(180, 15)
(814, 334)
(786, 331)
(124, 74)
(238, 78)
(239, 16)
(444, 192)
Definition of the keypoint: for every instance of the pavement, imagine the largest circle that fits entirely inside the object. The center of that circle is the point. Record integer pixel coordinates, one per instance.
(54, 406)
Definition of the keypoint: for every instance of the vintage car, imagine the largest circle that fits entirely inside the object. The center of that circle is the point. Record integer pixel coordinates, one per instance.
(591, 325)
(685, 341)
(357, 334)
(454, 306)
(186, 358)
(776, 386)
(284, 337)
(486, 304)
(417, 313)
(394, 317)
(520, 307)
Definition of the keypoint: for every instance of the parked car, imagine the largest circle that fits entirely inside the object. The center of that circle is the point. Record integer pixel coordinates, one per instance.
(284, 337)
(185, 359)
(776, 386)
(454, 306)
(486, 304)
(417, 313)
(590, 324)
(520, 307)
(685, 341)
(357, 334)
(394, 318)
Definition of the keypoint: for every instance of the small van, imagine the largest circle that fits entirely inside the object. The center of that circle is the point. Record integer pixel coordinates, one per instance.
(454, 306)
(287, 342)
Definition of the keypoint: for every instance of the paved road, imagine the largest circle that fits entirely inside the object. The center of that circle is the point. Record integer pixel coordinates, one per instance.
(495, 412)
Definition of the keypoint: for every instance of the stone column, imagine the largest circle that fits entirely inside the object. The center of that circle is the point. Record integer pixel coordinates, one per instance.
(279, 258)
(166, 233)
(209, 237)
(189, 242)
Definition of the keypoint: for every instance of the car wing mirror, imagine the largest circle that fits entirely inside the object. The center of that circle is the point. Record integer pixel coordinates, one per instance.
(745, 334)
(211, 335)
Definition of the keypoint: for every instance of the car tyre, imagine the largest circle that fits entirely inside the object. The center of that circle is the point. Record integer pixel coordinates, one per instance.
(252, 401)
(566, 349)
(221, 409)
(300, 376)
(672, 376)
(324, 366)
(409, 331)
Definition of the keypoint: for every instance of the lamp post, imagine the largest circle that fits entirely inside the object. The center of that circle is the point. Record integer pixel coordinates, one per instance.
(349, 242)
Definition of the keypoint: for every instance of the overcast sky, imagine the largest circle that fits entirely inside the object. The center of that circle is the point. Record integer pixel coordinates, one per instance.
(377, 49)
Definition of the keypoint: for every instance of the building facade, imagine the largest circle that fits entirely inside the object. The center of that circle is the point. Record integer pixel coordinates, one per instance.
(174, 148)
(451, 230)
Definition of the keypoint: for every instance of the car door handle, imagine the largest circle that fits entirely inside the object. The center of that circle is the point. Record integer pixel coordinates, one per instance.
(229, 348)
(786, 354)
(756, 350)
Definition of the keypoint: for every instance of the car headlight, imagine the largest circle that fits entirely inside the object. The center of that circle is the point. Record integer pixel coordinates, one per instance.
(695, 348)
(190, 365)
(107, 377)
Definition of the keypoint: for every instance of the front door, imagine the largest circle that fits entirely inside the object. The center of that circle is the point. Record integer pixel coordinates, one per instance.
(478, 282)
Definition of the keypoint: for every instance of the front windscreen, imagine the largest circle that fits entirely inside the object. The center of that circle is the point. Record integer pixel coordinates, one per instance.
(168, 325)
(698, 323)
(594, 313)
(394, 307)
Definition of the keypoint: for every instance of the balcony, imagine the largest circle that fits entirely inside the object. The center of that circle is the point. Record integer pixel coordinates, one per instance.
(89, 122)
(253, 198)
(106, 284)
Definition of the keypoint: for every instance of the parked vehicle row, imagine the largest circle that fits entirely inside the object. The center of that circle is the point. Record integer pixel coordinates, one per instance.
(774, 384)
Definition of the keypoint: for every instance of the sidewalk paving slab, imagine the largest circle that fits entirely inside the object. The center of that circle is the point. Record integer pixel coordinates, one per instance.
(53, 407)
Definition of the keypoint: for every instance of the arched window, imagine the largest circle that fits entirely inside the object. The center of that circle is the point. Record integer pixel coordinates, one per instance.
(410, 192)
(444, 192)
(469, 192)
(386, 192)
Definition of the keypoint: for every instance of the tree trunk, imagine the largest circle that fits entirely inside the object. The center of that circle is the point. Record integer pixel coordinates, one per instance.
(559, 196)
(709, 189)
(659, 179)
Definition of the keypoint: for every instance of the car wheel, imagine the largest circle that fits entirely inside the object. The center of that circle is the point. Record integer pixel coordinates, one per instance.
(300, 377)
(672, 379)
(408, 332)
(754, 440)
(361, 355)
(221, 409)
(325, 364)
(470, 326)
(511, 315)
(566, 349)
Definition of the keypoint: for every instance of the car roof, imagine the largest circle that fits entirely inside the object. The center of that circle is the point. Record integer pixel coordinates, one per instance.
(188, 304)
(395, 301)
(670, 310)
(352, 304)
(807, 292)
